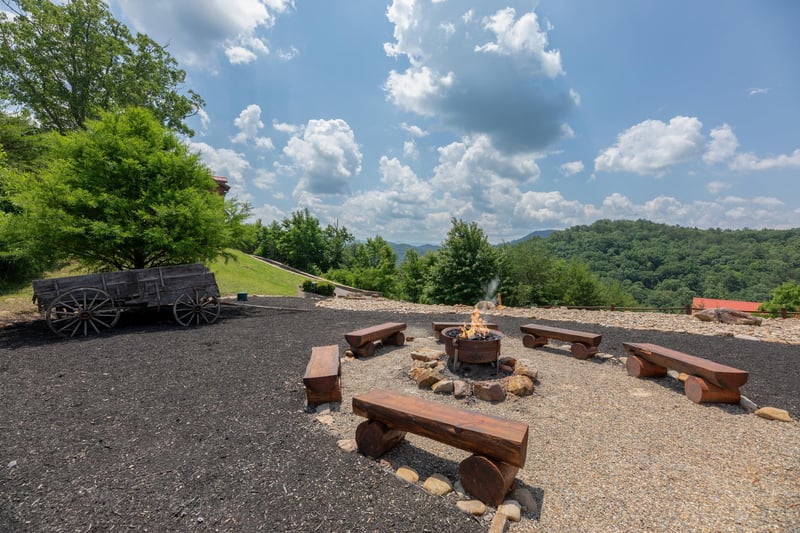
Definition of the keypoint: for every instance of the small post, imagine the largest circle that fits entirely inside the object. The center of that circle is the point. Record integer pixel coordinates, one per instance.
(688, 309)
(783, 312)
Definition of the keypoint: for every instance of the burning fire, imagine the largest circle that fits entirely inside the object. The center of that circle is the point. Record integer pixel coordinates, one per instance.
(476, 329)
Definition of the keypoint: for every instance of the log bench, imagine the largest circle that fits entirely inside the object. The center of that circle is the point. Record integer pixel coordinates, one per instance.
(323, 375)
(499, 446)
(584, 345)
(708, 382)
(363, 341)
(439, 326)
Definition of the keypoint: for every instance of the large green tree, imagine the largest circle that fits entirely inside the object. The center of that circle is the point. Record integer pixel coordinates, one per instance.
(465, 267)
(67, 62)
(124, 193)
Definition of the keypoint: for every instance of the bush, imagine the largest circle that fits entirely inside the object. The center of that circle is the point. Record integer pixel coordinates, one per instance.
(321, 288)
(326, 289)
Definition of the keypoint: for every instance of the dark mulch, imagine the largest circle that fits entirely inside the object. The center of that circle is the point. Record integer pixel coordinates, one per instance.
(154, 427)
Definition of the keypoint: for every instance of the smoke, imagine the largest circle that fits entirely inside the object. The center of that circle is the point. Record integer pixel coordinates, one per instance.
(490, 289)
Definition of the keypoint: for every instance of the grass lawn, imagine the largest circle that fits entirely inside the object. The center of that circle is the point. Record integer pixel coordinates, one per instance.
(245, 274)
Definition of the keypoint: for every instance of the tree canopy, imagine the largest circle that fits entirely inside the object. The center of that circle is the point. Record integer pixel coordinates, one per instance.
(124, 193)
(664, 266)
(465, 266)
(66, 63)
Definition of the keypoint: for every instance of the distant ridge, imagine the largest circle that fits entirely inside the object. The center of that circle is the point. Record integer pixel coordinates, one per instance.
(401, 249)
(541, 233)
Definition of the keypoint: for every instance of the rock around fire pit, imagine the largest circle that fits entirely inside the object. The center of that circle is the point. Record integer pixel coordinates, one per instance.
(513, 376)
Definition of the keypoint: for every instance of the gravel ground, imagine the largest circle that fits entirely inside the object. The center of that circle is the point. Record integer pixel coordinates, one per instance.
(153, 427)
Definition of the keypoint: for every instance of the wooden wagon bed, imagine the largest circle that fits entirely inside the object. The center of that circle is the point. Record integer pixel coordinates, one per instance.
(82, 304)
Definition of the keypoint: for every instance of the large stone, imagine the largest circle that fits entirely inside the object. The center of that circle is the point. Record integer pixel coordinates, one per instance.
(438, 484)
(425, 377)
(508, 360)
(443, 387)
(408, 474)
(525, 368)
(325, 419)
(519, 385)
(460, 389)
(348, 445)
(473, 507)
(489, 391)
(512, 509)
(773, 413)
(727, 316)
(426, 354)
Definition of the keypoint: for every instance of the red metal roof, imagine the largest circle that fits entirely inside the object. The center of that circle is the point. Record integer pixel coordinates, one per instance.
(736, 305)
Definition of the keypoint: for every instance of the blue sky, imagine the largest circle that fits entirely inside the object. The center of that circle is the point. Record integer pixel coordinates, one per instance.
(393, 117)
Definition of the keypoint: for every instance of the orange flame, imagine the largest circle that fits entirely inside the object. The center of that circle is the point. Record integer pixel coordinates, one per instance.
(476, 327)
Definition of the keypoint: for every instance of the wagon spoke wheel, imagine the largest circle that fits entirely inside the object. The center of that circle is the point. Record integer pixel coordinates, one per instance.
(196, 308)
(82, 311)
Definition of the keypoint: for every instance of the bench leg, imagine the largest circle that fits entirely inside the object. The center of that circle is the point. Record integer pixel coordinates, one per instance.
(395, 339)
(641, 368)
(701, 391)
(531, 341)
(334, 394)
(367, 350)
(375, 438)
(582, 351)
(486, 479)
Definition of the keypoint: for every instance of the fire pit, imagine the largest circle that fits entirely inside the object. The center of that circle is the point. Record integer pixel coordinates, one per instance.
(473, 344)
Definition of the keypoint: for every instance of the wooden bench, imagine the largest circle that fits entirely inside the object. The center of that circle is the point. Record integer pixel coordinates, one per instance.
(584, 345)
(439, 326)
(363, 341)
(322, 379)
(499, 446)
(708, 382)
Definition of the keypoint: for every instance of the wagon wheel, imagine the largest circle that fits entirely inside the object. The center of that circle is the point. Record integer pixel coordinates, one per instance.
(198, 307)
(80, 311)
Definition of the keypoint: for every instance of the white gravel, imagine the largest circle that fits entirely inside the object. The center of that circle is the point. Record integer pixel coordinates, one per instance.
(608, 452)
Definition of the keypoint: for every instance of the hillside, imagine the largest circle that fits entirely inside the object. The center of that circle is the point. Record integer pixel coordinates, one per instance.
(657, 262)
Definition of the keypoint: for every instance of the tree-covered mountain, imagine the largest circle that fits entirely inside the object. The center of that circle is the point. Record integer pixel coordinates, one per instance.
(400, 249)
(663, 265)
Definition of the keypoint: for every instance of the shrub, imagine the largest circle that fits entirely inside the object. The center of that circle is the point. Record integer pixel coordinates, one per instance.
(321, 288)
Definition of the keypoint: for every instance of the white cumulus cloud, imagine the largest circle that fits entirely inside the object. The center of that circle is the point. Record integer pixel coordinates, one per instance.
(653, 147)
(196, 29)
(325, 155)
(521, 36)
(470, 76)
(722, 146)
(249, 123)
(571, 168)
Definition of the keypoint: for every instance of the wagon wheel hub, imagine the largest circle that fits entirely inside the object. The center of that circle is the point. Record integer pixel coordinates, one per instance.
(84, 315)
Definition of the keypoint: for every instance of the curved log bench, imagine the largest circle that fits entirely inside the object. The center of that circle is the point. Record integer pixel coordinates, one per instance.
(584, 345)
(499, 446)
(439, 326)
(708, 382)
(362, 342)
(322, 379)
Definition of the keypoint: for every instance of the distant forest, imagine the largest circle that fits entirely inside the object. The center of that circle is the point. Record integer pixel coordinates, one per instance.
(661, 265)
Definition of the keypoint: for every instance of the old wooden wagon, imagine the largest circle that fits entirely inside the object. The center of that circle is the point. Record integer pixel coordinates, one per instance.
(80, 305)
